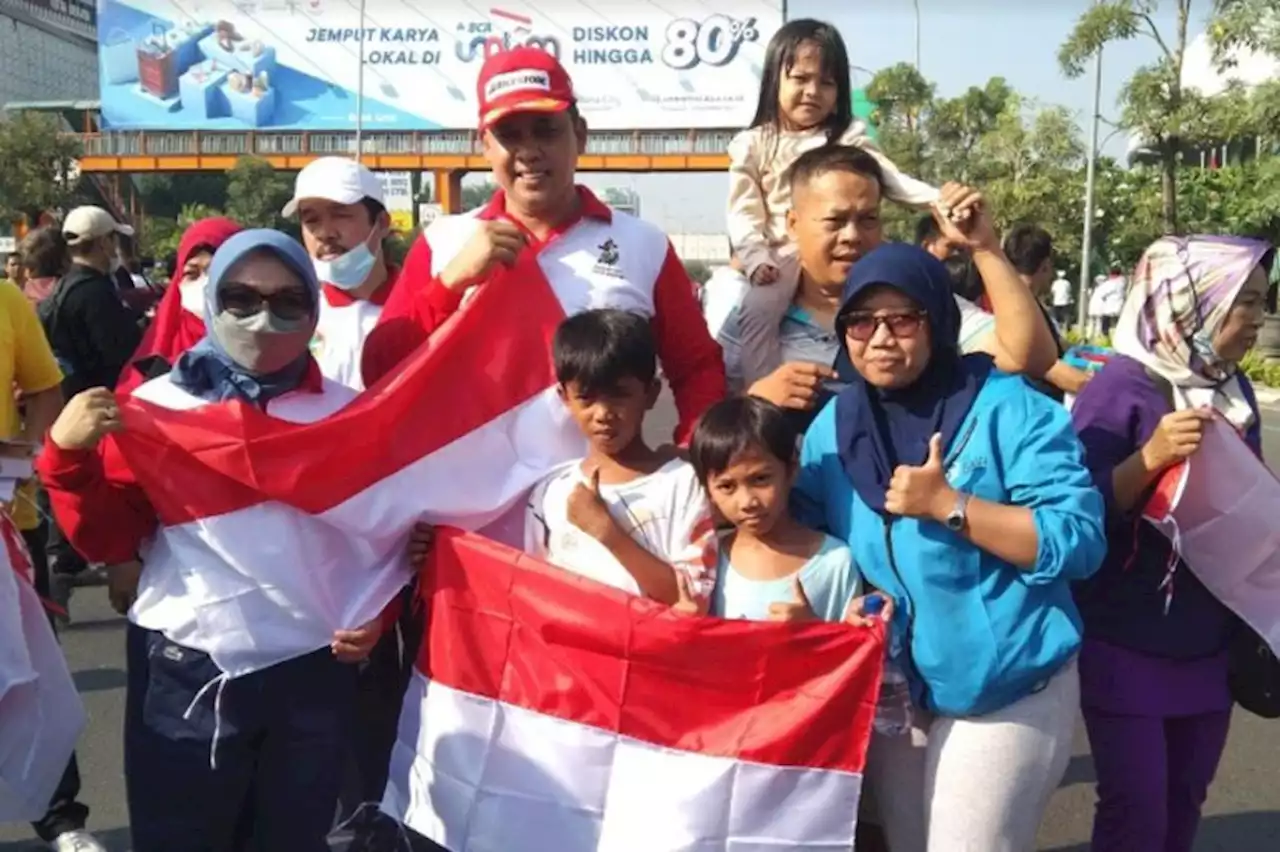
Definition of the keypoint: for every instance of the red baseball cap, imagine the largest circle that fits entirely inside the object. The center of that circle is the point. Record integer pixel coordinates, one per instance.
(526, 79)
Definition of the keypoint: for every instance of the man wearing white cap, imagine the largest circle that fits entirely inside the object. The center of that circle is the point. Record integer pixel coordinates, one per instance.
(339, 204)
(344, 222)
(92, 333)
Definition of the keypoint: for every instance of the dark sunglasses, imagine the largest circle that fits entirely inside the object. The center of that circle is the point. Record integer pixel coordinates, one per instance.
(241, 300)
(863, 326)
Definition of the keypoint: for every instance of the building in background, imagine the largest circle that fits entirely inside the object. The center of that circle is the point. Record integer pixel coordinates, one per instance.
(48, 55)
(623, 198)
(709, 249)
(1201, 73)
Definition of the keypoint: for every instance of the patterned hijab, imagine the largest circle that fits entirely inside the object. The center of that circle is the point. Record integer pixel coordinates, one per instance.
(1181, 293)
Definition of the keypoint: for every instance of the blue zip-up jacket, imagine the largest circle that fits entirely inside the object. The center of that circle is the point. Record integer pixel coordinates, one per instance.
(982, 633)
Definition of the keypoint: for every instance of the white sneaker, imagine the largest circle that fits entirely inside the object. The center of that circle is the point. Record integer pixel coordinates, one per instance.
(76, 841)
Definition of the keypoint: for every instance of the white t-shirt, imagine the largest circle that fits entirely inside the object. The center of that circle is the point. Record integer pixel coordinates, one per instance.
(1107, 299)
(666, 512)
(1061, 292)
(975, 324)
(343, 326)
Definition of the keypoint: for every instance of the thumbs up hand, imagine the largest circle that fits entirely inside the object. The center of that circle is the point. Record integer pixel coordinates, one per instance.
(797, 609)
(588, 511)
(921, 492)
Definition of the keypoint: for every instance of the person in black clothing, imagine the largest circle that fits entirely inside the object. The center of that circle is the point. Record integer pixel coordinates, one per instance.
(93, 336)
(1030, 250)
(92, 333)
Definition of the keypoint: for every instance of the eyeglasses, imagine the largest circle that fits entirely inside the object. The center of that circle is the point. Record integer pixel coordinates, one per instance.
(862, 327)
(241, 300)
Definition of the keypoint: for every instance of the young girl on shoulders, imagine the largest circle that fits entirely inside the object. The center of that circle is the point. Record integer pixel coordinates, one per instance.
(805, 102)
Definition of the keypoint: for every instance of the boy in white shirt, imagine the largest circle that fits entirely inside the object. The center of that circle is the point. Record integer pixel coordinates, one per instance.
(627, 515)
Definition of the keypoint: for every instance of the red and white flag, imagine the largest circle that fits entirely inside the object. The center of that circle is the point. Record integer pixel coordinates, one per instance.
(40, 711)
(1218, 509)
(549, 713)
(283, 529)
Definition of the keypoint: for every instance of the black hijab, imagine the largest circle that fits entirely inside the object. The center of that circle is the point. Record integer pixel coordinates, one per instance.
(877, 430)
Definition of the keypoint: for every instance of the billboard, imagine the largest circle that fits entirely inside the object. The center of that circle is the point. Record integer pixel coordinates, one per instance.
(295, 64)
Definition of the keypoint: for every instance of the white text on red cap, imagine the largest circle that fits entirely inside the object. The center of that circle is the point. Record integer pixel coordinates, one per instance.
(516, 81)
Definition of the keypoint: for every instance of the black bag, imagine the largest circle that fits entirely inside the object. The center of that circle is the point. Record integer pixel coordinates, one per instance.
(1254, 677)
(1255, 674)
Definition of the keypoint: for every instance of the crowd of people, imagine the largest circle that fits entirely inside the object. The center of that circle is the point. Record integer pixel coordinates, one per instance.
(867, 430)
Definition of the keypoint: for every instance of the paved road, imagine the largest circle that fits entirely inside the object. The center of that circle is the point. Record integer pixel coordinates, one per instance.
(1243, 813)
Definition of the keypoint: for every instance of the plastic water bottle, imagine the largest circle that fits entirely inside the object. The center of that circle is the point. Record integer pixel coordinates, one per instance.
(893, 710)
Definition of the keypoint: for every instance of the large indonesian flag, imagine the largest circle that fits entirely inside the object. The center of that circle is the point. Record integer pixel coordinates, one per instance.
(467, 424)
(553, 714)
(278, 530)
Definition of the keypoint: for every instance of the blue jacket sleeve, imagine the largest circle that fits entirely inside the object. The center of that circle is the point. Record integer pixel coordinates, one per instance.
(809, 499)
(1046, 473)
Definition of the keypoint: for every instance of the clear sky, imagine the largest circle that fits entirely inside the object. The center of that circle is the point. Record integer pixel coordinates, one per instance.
(963, 43)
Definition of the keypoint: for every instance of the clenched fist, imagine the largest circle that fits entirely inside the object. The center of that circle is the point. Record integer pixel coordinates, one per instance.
(494, 242)
(87, 417)
(1176, 437)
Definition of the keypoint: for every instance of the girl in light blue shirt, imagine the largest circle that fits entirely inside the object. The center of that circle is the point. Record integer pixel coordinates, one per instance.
(771, 567)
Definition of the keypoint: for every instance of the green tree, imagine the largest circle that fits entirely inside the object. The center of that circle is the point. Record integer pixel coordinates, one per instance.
(1153, 101)
(1028, 160)
(256, 193)
(37, 165)
(160, 237)
(903, 101)
(165, 195)
(958, 125)
(1030, 165)
(1241, 26)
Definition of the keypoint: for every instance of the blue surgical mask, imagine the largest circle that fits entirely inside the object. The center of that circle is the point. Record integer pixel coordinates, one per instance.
(349, 271)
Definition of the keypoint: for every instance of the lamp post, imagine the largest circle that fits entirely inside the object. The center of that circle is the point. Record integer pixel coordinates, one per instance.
(360, 93)
(916, 4)
(1086, 242)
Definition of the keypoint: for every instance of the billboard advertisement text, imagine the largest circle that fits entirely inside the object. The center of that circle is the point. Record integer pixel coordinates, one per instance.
(295, 64)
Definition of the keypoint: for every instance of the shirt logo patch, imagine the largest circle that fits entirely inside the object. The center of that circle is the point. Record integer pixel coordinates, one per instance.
(607, 262)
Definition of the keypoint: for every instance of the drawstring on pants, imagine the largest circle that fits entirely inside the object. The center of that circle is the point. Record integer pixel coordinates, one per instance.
(221, 681)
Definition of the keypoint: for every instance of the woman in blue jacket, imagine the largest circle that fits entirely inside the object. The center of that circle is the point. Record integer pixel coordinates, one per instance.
(963, 494)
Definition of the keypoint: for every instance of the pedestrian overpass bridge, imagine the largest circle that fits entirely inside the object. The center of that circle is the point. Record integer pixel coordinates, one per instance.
(448, 155)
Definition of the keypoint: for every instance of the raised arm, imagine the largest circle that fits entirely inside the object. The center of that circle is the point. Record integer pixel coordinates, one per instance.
(94, 496)
(1020, 340)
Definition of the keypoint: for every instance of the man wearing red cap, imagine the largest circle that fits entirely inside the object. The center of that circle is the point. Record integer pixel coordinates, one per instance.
(593, 256)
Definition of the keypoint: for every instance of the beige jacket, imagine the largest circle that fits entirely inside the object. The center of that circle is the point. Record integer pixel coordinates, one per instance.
(759, 194)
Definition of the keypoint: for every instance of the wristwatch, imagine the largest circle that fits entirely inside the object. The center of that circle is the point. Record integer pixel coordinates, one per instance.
(959, 515)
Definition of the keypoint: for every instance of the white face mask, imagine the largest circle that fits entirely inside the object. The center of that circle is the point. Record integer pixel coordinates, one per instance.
(191, 294)
(351, 270)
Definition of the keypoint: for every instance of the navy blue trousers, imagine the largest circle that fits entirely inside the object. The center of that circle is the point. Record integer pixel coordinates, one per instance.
(279, 751)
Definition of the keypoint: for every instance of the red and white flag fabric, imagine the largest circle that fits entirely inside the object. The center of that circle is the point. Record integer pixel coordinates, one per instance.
(281, 529)
(549, 713)
(1219, 510)
(40, 711)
